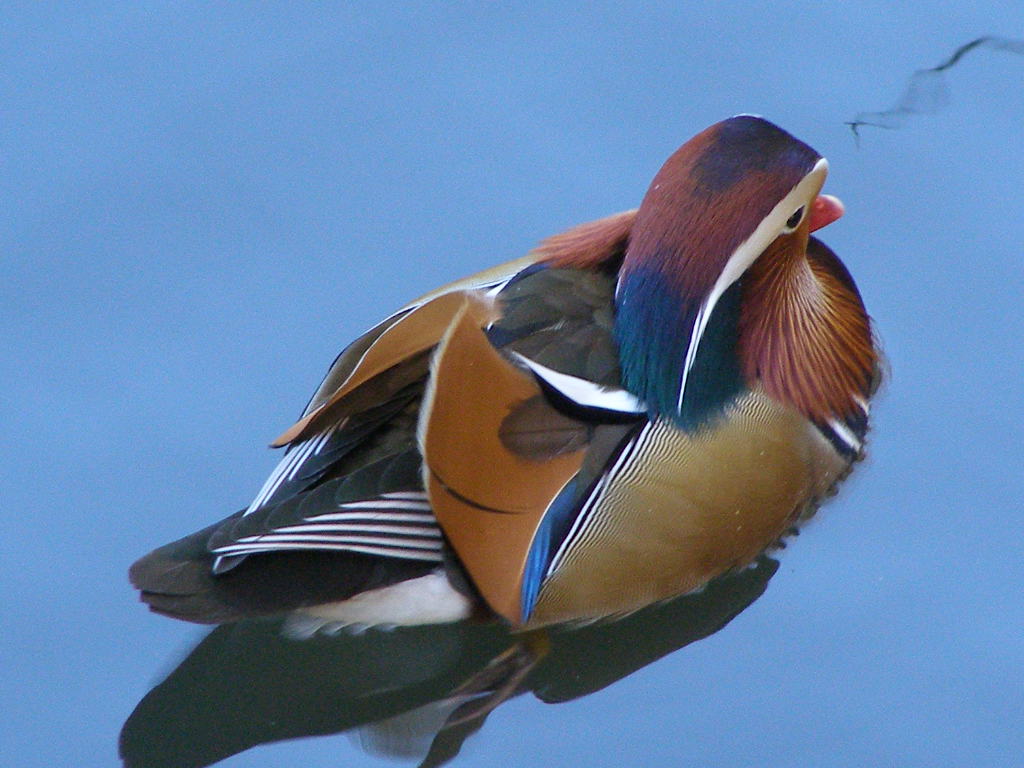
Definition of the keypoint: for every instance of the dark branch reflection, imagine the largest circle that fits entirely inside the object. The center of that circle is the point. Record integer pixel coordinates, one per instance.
(926, 91)
(413, 693)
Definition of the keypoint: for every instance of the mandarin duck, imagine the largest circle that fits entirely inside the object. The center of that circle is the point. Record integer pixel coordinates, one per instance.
(639, 405)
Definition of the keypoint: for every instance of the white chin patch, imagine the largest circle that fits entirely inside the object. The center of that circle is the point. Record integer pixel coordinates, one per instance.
(429, 599)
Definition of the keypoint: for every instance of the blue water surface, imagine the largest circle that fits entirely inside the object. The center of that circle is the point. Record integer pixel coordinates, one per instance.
(203, 202)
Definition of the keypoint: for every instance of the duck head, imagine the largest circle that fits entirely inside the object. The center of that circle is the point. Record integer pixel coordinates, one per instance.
(722, 288)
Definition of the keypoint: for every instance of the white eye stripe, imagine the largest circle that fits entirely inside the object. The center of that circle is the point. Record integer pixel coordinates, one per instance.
(745, 255)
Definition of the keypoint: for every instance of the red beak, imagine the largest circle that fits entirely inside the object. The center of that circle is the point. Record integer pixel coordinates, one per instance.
(824, 210)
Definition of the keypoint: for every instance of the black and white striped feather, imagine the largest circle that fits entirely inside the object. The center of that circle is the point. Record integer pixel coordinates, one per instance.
(380, 509)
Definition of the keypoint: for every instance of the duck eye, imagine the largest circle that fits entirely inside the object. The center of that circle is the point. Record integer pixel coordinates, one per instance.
(794, 220)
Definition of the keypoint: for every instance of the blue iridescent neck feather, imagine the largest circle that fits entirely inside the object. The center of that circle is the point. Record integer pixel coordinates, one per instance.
(653, 328)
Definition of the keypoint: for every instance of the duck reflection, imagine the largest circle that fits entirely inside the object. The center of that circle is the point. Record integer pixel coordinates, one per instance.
(413, 693)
